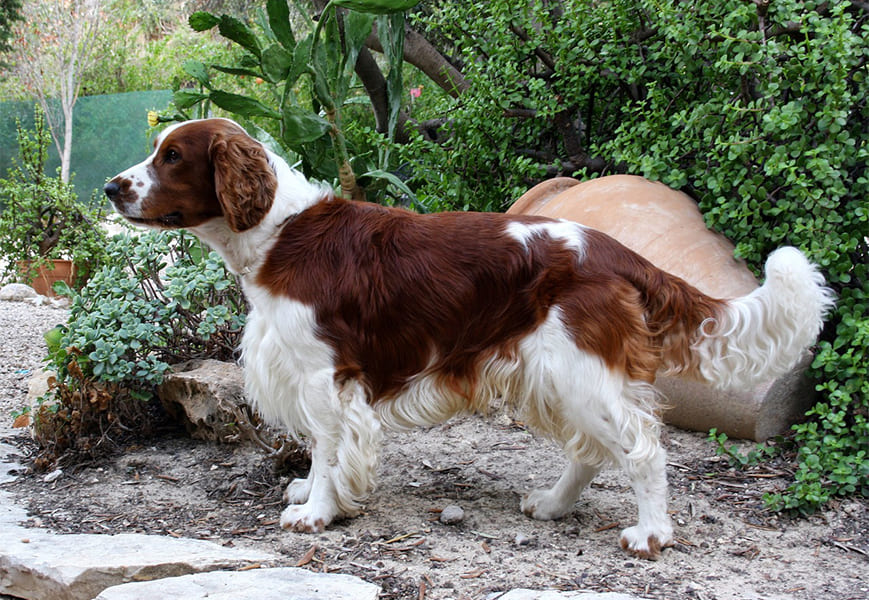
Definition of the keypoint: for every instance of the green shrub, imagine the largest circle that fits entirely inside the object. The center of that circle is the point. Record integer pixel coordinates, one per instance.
(41, 218)
(163, 299)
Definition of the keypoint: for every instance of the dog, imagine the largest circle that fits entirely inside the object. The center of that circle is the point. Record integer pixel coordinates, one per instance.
(366, 317)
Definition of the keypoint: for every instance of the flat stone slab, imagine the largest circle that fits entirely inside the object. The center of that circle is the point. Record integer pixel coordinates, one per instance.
(285, 583)
(38, 564)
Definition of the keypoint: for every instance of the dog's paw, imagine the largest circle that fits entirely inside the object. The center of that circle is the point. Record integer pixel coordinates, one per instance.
(306, 518)
(646, 544)
(297, 491)
(543, 505)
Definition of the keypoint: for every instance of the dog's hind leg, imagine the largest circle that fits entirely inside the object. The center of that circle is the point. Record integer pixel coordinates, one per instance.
(628, 428)
(344, 457)
(557, 501)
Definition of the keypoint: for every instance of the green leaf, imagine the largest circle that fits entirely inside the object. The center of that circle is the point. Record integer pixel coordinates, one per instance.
(186, 98)
(301, 126)
(198, 71)
(392, 179)
(301, 59)
(279, 21)
(242, 105)
(276, 63)
(236, 71)
(357, 28)
(321, 78)
(377, 7)
(390, 30)
(233, 29)
(202, 21)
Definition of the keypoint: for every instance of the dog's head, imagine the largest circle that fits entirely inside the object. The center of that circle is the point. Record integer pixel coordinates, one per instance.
(199, 171)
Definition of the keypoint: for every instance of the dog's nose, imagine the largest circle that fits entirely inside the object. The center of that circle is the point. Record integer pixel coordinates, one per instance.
(112, 190)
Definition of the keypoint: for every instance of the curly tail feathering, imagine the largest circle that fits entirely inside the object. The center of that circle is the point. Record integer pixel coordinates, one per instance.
(764, 334)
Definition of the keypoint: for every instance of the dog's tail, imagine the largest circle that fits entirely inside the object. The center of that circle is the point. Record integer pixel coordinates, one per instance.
(764, 334)
(740, 342)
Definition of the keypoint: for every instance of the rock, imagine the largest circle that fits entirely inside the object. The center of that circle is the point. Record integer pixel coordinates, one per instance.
(522, 594)
(287, 583)
(37, 564)
(208, 397)
(522, 540)
(666, 227)
(37, 386)
(452, 514)
(17, 292)
(53, 476)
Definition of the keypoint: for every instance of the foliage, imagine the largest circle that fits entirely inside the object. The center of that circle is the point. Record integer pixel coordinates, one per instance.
(161, 299)
(144, 49)
(756, 109)
(42, 218)
(305, 84)
(10, 12)
(54, 77)
(760, 453)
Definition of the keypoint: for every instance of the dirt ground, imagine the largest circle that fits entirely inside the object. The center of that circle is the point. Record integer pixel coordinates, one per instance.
(728, 547)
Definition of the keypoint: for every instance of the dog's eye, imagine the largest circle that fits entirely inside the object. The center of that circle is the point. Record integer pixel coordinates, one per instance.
(171, 156)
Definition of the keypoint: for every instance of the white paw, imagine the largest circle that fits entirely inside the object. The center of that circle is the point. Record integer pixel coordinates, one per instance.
(307, 518)
(297, 491)
(647, 543)
(543, 505)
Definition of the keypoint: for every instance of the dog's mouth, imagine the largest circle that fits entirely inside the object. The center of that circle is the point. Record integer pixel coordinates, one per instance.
(170, 220)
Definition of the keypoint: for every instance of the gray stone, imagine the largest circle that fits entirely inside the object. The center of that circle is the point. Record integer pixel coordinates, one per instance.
(37, 564)
(287, 583)
(17, 292)
(53, 476)
(452, 514)
(208, 397)
(523, 594)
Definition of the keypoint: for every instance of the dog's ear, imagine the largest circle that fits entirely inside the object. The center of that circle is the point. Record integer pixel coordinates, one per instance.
(243, 180)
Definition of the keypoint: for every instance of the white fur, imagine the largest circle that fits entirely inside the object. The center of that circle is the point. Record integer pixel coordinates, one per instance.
(763, 335)
(567, 231)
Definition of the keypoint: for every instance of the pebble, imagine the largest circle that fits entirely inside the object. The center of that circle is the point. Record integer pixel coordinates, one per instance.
(452, 514)
(521, 539)
(53, 476)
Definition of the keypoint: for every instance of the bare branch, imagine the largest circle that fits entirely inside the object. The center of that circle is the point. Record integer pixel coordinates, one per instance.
(419, 52)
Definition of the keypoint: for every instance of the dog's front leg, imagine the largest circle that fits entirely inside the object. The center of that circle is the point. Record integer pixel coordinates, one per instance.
(344, 456)
(319, 506)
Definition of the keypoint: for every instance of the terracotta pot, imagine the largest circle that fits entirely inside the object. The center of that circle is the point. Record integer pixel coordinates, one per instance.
(47, 274)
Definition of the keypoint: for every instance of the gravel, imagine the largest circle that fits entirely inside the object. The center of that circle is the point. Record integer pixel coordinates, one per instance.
(23, 348)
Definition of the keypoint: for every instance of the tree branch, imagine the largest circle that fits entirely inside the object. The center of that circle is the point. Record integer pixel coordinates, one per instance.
(419, 52)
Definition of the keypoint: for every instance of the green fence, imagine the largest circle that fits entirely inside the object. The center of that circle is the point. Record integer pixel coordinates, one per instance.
(110, 133)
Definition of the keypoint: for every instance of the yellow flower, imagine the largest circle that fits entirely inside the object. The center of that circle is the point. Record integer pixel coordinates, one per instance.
(153, 118)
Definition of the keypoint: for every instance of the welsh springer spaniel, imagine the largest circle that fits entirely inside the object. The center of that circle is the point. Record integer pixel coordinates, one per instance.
(364, 316)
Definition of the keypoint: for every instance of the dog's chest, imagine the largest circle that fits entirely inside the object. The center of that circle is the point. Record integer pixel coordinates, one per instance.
(287, 367)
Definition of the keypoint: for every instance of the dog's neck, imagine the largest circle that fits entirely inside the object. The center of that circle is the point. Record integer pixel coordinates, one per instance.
(243, 252)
